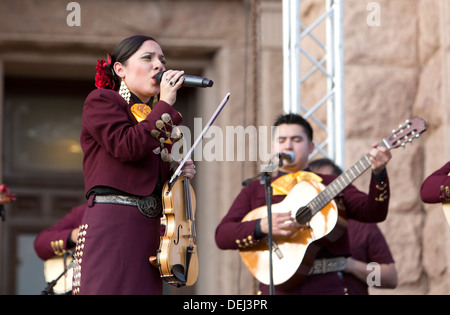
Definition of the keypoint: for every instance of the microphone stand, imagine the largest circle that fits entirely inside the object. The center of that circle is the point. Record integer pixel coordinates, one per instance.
(49, 288)
(266, 179)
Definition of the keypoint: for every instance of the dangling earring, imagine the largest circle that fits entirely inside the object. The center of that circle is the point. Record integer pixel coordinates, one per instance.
(124, 91)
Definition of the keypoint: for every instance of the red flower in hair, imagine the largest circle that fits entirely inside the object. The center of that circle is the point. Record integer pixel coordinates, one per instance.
(104, 76)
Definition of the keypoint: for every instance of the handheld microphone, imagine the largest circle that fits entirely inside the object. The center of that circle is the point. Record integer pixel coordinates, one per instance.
(289, 157)
(189, 80)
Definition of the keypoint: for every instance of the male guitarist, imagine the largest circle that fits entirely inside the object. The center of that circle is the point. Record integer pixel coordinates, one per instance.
(293, 134)
(61, 237)
(59, 240)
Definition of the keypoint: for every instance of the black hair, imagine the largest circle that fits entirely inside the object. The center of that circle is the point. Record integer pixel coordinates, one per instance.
(124, 50)
(325, 162)
(297, 120)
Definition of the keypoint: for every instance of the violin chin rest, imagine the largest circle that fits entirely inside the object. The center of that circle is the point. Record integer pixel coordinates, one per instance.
(178, 272)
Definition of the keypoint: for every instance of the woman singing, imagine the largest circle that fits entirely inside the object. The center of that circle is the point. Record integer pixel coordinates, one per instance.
(126, 137)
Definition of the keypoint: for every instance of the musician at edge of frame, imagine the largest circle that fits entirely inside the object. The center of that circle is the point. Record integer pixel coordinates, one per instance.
(436, 187)
(293, 134)
(61, 237)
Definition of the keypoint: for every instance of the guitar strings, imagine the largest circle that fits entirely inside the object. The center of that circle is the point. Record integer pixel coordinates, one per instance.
(305, 214)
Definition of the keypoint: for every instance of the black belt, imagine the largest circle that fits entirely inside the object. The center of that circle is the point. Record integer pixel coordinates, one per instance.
(150, 206)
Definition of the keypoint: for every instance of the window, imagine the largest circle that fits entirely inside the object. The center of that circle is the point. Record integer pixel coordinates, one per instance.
(42, 130)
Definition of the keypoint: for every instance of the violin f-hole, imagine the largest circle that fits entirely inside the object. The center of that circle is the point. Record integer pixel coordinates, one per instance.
(178, 235)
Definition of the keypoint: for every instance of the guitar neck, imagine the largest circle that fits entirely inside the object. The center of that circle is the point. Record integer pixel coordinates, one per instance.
(305, 213)
(340, 183)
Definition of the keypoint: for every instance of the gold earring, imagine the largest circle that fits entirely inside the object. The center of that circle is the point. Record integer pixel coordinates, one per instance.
(124, 91)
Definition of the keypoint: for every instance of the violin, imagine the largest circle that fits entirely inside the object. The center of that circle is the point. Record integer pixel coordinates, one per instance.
(176, 257)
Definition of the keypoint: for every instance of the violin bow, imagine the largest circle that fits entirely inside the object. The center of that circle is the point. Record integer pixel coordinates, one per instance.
(177, 172)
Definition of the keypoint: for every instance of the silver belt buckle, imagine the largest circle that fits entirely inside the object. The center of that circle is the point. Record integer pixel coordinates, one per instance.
(150, 206)
(326, 265)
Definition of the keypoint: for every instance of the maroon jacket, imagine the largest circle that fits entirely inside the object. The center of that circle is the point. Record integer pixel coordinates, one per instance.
(371, 207)
(436, 187)
(56, 239)
(118, 152)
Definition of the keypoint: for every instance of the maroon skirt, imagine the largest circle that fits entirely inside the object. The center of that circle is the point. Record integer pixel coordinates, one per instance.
(113, 250)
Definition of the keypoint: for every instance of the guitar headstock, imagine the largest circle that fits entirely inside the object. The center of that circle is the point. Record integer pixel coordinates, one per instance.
(405, 133)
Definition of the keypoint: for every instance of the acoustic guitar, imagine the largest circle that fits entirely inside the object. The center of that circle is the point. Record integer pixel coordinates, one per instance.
(294, 255)
(446, 208)
(58, 273)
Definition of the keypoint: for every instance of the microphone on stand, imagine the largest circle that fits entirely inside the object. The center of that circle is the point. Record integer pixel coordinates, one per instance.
(288, 157)
(189, 80)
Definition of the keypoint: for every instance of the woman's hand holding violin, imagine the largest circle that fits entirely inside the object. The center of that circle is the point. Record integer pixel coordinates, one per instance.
(189, 169)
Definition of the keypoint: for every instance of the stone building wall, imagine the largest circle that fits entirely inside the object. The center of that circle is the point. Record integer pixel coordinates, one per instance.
(394, 71)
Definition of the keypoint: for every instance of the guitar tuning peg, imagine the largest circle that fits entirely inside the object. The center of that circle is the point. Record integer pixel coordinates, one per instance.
(417, 135)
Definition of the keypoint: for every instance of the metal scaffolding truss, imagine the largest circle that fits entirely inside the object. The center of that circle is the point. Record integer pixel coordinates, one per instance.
(330, 65)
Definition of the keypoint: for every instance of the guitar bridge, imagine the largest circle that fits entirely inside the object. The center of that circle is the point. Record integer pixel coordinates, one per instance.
(275, 248)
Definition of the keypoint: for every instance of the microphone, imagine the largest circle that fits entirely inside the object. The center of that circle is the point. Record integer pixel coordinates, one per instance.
(189, 80)
(289, 157)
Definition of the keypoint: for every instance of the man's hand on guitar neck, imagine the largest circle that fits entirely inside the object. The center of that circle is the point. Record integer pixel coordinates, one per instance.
(379, 157)
(283, 224)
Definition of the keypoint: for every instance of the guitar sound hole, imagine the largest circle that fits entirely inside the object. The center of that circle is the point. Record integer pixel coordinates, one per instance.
(303, 215)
